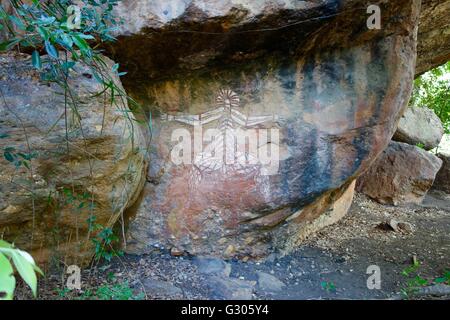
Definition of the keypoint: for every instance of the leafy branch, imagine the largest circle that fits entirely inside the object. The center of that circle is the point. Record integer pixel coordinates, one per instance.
(25, 266)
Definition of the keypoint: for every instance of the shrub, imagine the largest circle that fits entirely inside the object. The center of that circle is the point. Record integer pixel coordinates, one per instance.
(432, 89)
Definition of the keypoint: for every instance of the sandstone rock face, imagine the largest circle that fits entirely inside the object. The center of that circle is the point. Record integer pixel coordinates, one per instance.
(146, 19)
(97, 172)
(434, 35)
(314, 95)
(402, 174)
(141, 16)
(420, 126)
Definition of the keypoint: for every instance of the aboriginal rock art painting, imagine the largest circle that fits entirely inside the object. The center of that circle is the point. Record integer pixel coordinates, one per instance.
(237, 143)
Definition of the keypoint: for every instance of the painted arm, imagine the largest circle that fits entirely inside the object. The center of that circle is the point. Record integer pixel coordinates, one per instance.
(243, 120)
(255, 120)
(192, 119)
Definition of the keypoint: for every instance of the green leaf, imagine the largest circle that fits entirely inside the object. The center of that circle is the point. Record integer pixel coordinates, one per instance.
(26, 270)
(66, 40)
(36, 60)
(51, 50)
(30, 259)
(86, 36)
(26, 156)
(80, 42)
(25, 163)
(43, 33)
(68, 65)
(46, 20)
(7, 280)
(440, 280)
(98, 77)
(4, 244)
(17, 163)
(9, 44)
(420, 281)
(17, 22)
(8, 156)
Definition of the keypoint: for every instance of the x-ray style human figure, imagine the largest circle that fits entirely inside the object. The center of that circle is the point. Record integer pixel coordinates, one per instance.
(230, 121)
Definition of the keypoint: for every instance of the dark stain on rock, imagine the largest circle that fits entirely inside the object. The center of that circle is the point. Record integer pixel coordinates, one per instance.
(308, 74)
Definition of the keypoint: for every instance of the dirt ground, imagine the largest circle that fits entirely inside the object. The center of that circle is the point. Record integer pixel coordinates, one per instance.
(330, 265)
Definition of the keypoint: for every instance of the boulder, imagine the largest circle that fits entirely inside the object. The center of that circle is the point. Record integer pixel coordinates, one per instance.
(402, 174)
(161, 289)
(269, 283)
(311, 93)
(420, 126)
(225, 288)
(207, 265)
(55, 193)
(442, 181)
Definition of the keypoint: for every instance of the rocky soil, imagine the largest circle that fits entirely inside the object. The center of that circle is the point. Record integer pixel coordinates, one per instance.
(331, 264)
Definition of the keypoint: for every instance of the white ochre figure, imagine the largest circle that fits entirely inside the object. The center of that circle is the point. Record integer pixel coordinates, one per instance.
(225, 153)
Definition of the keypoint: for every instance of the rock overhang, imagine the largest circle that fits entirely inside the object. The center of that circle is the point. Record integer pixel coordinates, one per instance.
(332, 87)
(237, 33)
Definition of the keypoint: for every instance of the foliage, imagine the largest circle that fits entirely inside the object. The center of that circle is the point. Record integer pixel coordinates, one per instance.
(104, 242)
(119, 291)
(116, 291)
(58, 46)
(18, 158)
(328, 286)
(59, 42)
(62, 293)
(105, 238)
(432, 89)
(24, 265)
(412, 286)
(48, 25)
(420, 145)
(414, 280)
(412, 268)
(444, 279)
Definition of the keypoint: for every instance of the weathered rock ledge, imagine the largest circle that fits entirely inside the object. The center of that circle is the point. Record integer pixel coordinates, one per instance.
(160, 38)
(332, 89)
